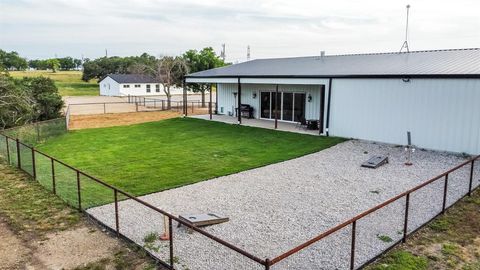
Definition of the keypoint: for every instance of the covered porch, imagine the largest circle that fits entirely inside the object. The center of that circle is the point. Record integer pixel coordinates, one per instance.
(260, 123)
(273, 103)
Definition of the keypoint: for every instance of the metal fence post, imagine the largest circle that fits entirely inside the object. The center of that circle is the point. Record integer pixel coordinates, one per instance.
(405, 224)
(104, 108)
(170, 234)
(163, 104)
(54, 187)
(471, 179)
(117, 224)
(445, 194)
(8, 150)
(193, 105)
(136, 106)
(19, 160)
(79, 192)
(34, 167)
(267, 264)
(352, 251)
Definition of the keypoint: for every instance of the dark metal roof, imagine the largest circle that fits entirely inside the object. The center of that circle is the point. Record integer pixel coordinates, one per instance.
(131, 78)
(435, 63)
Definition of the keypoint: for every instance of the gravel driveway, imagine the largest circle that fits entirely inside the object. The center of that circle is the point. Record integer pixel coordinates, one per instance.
(277, 207)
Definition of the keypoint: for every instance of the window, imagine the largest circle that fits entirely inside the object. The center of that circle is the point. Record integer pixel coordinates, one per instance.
(126, 86)
(137, 85)
(148, 88)
(157, 88)
(104, 85)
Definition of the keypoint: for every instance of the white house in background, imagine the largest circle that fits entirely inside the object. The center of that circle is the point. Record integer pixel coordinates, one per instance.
(379, 97)
(133, 84)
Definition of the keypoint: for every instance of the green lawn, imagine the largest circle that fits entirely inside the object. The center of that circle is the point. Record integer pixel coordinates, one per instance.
(155, 156)
(69, 83)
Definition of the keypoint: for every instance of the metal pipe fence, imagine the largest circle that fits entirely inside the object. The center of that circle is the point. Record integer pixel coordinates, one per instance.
(84, 191)
(139, 104)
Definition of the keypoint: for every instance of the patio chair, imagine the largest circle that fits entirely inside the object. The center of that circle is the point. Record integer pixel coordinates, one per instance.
(302, 123)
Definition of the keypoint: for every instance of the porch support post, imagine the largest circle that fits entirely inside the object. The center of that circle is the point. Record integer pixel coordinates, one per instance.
(322, 109)
(276, 106)
(328, 106)
(210, 103)
(185, 109)
(216, 98)
(239, 94)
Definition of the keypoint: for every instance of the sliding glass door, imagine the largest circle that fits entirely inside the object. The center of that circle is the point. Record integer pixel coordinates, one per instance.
(291, 106)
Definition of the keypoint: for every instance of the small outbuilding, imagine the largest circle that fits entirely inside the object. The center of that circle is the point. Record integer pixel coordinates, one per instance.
(378, 97)
(132, 84)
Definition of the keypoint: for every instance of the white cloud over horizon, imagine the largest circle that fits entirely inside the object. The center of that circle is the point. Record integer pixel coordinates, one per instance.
(280, 28)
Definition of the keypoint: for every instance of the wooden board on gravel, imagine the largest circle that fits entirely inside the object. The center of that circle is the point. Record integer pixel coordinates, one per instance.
(118, 119)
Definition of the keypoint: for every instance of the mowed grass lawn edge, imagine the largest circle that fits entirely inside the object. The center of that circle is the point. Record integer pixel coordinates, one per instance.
(156, 156)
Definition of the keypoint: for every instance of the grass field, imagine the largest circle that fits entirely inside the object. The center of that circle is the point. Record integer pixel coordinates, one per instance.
(69, 83)
(155, 156)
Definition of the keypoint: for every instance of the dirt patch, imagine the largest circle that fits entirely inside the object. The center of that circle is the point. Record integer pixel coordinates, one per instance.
(118, 119)
(123, 119)
(74, 248)
(13, 253)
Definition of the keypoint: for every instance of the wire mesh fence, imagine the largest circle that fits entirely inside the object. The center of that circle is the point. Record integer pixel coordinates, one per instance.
(38, 132)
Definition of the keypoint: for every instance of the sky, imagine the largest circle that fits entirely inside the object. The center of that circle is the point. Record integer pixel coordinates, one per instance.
(272, 28)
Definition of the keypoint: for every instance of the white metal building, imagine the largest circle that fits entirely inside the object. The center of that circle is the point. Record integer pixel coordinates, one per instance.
(132, 84)
(379, 97)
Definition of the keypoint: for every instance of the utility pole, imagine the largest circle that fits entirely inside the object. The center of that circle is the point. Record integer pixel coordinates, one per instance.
(405, 43)
(222, 53)
(106, 53)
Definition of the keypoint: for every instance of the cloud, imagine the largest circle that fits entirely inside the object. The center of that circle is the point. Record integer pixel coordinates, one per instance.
(272, 28)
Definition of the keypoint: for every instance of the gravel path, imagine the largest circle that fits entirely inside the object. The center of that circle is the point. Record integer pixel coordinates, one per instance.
(275, 208)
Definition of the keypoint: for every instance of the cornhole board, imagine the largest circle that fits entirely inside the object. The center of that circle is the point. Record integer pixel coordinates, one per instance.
(375, 162)
(201, 220)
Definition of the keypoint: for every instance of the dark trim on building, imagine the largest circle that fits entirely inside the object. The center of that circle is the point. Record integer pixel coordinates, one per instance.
(239, 95)
(328, 106)
(352, 76)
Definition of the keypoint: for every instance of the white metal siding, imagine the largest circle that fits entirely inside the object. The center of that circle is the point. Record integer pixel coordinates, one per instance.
(227, 100)
(442, 114)
(108, 87)
(142, 90)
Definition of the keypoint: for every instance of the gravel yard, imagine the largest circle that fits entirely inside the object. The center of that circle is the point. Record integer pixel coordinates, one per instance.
(277, 207)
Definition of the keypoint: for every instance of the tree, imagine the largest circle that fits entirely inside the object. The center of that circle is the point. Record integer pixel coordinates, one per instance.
(15, 104)
(53, 64)
(12, 61)
(100, 67)
(169, 71)
(47, 101)
(199, 61)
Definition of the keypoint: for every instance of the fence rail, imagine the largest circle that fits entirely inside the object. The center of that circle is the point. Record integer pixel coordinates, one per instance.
(17, 157)
(140, 104)
(82, 191)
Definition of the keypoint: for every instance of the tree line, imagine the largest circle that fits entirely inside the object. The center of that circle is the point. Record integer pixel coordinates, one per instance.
(166, 70)
(13, 61)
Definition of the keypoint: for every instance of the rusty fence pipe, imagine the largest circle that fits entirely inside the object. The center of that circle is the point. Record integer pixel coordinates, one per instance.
(352, 250)
(267, 264)
(54, 188)
(8, 150)
(34, 167)
(79, 195)
(471, 179)
(444, 204)
(405, 223)
(170, 237)
(19, 160)
(117, 223)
